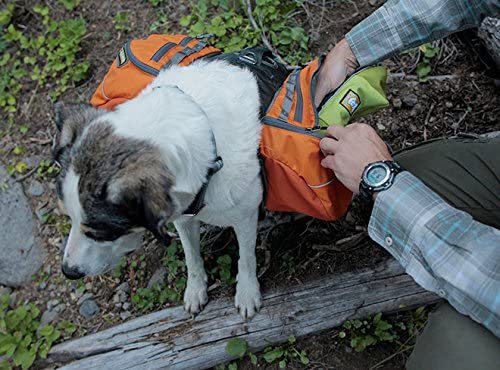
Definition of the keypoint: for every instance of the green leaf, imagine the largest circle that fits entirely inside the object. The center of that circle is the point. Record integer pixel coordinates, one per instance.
(273, 355)
(292, 339)
(47, 330)
(232, 366)
(282, 364)
(304, 359)
(253, 358)
(24, 358)
(342, 334)
(236, 347)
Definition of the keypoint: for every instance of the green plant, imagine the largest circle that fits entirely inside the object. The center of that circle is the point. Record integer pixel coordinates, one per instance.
(222, 270)
(69, 4)
(368, 332)
(157, 295)
(47, 54)
(232, 28)
(47, 168)
(156, 2)
(285, 354)
(238, 347)
(424, 68)
(22, 339)
(121, 21)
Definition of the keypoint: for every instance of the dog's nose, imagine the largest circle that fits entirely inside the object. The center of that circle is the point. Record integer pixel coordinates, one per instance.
(72, 272)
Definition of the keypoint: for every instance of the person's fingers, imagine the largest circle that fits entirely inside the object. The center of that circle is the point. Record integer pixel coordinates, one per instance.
(336, 131)
(328, 145)
(328, 162)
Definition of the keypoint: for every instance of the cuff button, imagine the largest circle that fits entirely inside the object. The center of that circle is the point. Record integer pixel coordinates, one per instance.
(388, 241)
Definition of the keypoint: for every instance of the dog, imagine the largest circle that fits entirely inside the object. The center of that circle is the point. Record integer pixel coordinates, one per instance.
(140, 167)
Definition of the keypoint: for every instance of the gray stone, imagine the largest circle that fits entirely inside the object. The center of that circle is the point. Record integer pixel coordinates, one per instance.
(13, 300)
(22, 256)
(5, 290)
(410, 100)
(33, 161)
(120, 297)
(126, 305)
(397, 103)
(89, 309)
(125, 315)
(41, 286)
(84, 298)
(158, 277)
(60, 308)
(52, 303)
(124, 287)
(36, 189)
(48, 317)
(41, 214)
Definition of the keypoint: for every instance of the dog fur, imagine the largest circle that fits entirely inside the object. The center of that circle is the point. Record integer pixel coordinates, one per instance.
(140, 166)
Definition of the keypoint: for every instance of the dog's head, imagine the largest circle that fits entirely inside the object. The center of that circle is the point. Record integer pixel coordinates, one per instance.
(112, 187)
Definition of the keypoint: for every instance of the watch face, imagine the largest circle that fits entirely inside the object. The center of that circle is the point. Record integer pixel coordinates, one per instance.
(377, 175)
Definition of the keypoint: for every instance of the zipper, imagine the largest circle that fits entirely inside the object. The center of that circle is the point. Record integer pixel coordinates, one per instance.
(314, 132)
(142, 66)
(332, 94)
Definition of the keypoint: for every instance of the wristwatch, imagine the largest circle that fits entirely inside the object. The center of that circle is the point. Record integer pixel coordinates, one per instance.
(377, 176)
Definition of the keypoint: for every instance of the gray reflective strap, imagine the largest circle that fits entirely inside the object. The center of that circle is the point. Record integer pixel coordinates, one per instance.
(185, 41)
(300, 100)
(287, 103)
(180, 55)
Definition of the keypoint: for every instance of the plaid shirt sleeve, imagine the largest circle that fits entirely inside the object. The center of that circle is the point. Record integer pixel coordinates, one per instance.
(442, 248)
(399, 25)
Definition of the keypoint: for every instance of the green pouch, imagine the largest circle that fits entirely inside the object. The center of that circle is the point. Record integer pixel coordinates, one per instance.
(361, 94)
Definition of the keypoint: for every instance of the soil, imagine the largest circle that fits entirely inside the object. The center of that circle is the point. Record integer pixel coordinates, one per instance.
(466, 100)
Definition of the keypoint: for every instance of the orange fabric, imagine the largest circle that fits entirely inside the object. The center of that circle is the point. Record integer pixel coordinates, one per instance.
(296, 180)
(124, 82)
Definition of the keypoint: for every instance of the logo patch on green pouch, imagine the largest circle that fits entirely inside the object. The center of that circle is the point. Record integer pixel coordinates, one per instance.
(122, 57)
(350, 101)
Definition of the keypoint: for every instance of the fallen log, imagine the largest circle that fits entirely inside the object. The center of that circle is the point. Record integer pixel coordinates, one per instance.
(171, 339)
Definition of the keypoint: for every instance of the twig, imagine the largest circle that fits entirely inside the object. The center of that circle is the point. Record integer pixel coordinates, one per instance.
(427, 117)
(262, 34)
(404, 76)
(389, 358)
(346, 243)
(28, 174)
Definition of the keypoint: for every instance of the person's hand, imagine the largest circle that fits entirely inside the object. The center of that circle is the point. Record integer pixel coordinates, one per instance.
(338, 65)
(348, 150)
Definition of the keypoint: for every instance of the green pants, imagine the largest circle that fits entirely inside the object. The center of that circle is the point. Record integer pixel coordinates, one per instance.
(466, 173)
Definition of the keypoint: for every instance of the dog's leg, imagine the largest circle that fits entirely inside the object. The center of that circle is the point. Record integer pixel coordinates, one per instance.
(195, 296)
(247, 299)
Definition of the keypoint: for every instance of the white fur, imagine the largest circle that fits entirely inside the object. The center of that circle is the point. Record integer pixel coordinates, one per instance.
(179, 112)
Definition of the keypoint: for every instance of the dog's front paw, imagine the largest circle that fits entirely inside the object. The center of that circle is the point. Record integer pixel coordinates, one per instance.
(195, 296)
(248, 300)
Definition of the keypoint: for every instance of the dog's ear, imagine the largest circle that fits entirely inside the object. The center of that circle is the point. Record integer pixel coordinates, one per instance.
(143, 190)
(70, 120)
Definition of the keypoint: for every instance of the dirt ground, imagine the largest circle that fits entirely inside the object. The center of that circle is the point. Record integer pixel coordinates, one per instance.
(462, 97)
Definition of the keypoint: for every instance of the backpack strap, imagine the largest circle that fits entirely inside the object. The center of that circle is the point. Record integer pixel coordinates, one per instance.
(181, 54)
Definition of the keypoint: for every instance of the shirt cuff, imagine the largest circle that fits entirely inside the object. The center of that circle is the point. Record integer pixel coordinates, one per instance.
(400, 214)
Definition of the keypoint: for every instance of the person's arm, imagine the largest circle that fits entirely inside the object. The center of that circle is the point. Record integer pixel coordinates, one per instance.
(396, 26)
(399, 25)
(442, 248)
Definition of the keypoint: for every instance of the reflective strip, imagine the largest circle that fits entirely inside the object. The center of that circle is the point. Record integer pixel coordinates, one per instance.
(180, 55)
(287, 103)
(289, 127)
(322, 185)
(300, 100)
(162, 51)
(185, 41)
(142, 66)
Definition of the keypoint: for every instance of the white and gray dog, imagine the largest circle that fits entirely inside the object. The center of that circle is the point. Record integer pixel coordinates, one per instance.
(140, 166)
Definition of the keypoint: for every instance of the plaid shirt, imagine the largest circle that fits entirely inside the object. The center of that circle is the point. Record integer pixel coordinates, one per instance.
(442, 248)
(403, 24)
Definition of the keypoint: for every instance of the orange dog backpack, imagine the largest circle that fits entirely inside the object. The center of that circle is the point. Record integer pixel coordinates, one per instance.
(295, 180)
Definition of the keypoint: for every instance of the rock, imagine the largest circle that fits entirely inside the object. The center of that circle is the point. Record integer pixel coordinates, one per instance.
(448, 104)
(380, 127)
(60, 308)
(158, 277)
(126, 306)
(410, 100)
(88, 286)
(52, 303)
(125, 315)
(124, 287)
(372, 2)
(84, 298)
(5, 290)
(120, 297)
(36, 189)
(417, 109)
(397, 103)
(89, 309)
(22, 256)
(13, 300)
(33, 161)
(41, 214)
(48, 317)
(41, 286)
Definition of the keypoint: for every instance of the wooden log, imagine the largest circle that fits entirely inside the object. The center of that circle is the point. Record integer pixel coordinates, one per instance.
(489, 33)
(171, 339)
